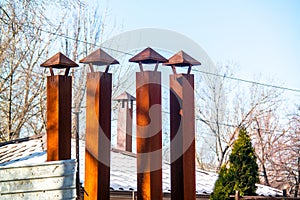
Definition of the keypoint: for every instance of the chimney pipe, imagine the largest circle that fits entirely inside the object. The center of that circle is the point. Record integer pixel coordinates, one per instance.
(98, 127)
(149, 130)
(182, 128)
(124, 127)
(59, 100)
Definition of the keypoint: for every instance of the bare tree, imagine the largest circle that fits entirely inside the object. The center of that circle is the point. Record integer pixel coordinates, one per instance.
(22, 81)
(28, 37)
(82, 30)
(212, 114)
(285, 161)
(227, 107)
(266, 132)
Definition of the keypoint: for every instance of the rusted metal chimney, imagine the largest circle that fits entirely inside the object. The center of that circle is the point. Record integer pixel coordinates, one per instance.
(149, 126)
(124, 128)
(98, 127)
(182, 127)
(59, 101)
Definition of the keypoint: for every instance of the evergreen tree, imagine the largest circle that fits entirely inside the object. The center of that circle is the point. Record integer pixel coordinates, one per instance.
(223, 186)
(242, 174)
(243, 165)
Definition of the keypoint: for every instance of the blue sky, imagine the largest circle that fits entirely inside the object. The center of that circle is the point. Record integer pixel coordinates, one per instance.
(261, 36)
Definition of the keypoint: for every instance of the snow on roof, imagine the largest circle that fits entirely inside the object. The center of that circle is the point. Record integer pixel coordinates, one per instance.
(21, 150)
(263, 190)
(123, 167)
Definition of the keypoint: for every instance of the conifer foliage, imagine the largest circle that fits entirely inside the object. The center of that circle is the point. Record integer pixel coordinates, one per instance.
(242, 174)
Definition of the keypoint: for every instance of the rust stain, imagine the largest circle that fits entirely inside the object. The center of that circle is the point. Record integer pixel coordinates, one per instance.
(148, 119)
(149, 167)
(98, 136)
(182, 126)
(148, 56)
(59, 61)
(59, 98)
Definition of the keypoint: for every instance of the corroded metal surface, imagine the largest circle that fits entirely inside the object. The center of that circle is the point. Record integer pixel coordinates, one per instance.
(59, 101)
(148, 132)
(98, 136)
(99, 57)
(59, 98)
(148, 135)
(148, 56)
(181, 59)
(98, 126)
(59, 61)
(182, 124)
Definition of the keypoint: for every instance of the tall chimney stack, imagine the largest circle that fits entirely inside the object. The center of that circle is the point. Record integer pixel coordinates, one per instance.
(149, 126)
(182, 128)
(59, 101)
(124, 127)
(98, 127)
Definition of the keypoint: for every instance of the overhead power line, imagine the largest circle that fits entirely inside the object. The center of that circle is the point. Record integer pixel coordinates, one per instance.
(201, 71)
(247, 81)
(78, 40)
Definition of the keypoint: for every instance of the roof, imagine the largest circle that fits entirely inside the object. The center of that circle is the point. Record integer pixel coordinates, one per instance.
(19, 151)
(123, 166)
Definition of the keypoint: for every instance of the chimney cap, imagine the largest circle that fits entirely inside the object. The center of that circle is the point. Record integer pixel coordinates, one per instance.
(125, 96)
(148, 56)
(99, 57)
(182, 59)
(59, 61)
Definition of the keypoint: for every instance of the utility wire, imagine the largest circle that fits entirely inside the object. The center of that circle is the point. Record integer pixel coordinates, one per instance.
(201, 71)
(224, 124)
(247, 81)
(78, 40)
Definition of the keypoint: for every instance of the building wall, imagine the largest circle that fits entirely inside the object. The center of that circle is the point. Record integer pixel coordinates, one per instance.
(48, 180)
